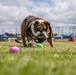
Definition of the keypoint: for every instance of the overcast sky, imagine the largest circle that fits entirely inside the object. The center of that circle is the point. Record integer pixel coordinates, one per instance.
(57, 12)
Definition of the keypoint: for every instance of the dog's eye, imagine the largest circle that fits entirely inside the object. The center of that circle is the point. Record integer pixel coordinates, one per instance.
(38, 29)
(36, 23)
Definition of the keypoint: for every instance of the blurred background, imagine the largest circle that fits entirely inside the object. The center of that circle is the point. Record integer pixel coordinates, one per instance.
(60, 13)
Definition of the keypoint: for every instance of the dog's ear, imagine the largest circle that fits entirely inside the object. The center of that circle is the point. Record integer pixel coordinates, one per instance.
(48, 25)
(36, 25)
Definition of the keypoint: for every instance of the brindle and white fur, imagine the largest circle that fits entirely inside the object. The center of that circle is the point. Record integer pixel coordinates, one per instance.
(38, 29)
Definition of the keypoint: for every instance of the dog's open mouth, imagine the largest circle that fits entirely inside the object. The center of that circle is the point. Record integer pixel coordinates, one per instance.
(40, 39)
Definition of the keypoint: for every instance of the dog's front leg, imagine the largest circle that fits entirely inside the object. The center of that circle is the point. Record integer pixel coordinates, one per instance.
(51, 42)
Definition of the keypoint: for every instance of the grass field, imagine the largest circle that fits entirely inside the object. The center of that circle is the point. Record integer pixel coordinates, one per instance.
(60, 60)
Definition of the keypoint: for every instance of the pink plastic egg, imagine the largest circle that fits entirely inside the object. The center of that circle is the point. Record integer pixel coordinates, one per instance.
(14, 49)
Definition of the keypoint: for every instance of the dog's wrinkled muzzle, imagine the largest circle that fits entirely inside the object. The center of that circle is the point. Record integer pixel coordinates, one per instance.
(40, 38)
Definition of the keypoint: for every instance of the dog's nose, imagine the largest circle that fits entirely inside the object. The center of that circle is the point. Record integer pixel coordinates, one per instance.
(41, 30)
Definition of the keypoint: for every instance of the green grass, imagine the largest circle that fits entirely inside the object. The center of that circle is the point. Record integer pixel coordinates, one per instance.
(60, 60)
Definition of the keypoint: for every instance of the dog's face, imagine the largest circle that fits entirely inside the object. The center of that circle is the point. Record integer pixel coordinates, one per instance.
(41, 29)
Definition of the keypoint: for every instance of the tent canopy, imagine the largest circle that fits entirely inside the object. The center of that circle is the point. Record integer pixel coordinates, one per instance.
(58, 36)
(69, 35)
(4, 36)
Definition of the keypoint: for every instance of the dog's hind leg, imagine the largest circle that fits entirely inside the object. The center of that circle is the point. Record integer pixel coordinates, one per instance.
(23, 33)
(30, 42)
(23, 38)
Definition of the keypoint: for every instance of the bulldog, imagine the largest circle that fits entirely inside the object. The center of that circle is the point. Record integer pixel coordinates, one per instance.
(35, 29)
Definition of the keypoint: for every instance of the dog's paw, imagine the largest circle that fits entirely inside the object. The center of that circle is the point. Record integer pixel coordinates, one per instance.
(30, 45)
